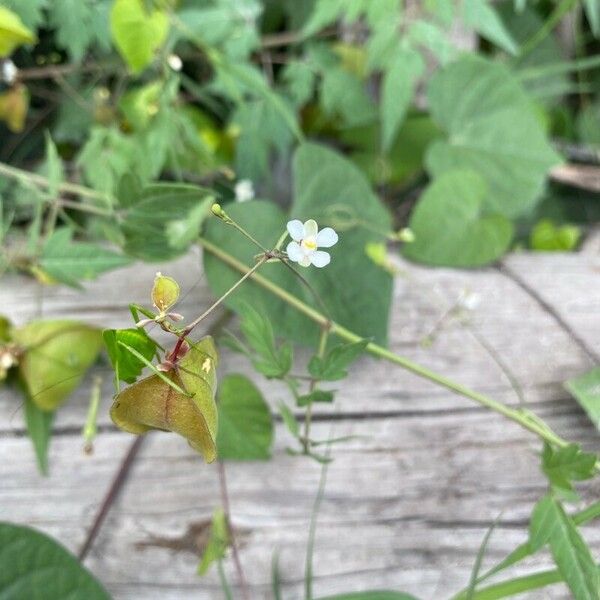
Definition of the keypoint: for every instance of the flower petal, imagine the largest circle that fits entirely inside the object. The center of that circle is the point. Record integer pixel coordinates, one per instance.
(320, 258)
(305, 260)
(326, 238)
(296, 229)
(310, 228)
(294, 251)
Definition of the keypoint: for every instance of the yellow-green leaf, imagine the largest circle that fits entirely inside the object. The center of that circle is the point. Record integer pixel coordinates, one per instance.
(137, 33)
(153, 404)
(13, 32)
(56, 355)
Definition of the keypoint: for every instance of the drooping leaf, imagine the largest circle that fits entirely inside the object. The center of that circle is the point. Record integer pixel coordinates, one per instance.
(562, 466)
(551, 524)
(33, 565)
(146, 223)
(39, 428)
(334, 365)
(151, 403)
(483, 18)
(70, 262)
(586, 390)
(397, 92)
(126, 365)
(138, 33)
(218, 542)
(493, 129)
(245, 421)
(13, 32)
(452, 226)
(289, 419)
(56, 355)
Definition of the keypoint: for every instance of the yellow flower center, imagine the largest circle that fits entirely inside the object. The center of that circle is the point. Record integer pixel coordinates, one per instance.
(309, 244)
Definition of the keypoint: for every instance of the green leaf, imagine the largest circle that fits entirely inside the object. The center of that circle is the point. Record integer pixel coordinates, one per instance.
(56, 355)
(592, 11)
(127, 366)
(245, 422)
(31, 12)
(550, 524)
(334, 364)
(218, 542)
(493, 129)
(149, 223)
(33, 565)
(371, 595)
(138, 33)
(39, 428)
(586, 390)
(69, 262)
(152, 403)
(54, 167)
(562, 466)
(13, 32)
(483, 18)
(324, 396)
(267, 358)
(548, 237)
(452, 226)
(397, 92)
(289, 419)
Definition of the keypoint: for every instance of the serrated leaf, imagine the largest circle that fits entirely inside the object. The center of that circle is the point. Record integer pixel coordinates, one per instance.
(493, 129)
(70, 262)
(151, 403)
(13, 32)
(323, 396)
(56, 356)
(127, 366)
(138, 33)
(452, 226)
(333, 366)
(31, 564)
(39, 429)
(218, 542)
(483, 18)
(586, 390)
(550, 524)
(562, 466)
(245, 422)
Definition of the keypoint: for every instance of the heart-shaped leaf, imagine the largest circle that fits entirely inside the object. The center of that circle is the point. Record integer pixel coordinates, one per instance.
(153, 404)
(55, 357)
(493, 129)
(452, 227)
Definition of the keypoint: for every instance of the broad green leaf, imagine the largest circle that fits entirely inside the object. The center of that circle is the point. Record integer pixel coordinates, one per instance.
(151, 403)
(586, 390)
(432, 37)
(56, 355)
(548, 237)
(397, 92)
(483, 18)
(493, 129)
(371, 595)
(245, 422)
(268, 358)
(322, 396)
(127, 366)
(138, 33)
(562, 466)
(452, 226)
(13, 32)
(147, 225)
(70, 262)
(550, 524)
(334, 364)
(218, 542)
(39, 428)
(31, 12)
(33, 565)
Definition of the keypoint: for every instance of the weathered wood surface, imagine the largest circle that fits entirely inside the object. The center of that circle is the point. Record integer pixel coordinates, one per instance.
(407, 503)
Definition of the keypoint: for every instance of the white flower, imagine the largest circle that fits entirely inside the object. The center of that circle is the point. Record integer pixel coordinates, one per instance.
(307, 238)
(244, 190)
(9, 71)
(175, 62)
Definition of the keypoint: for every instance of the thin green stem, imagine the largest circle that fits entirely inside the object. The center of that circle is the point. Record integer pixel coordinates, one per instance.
(518, 416)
